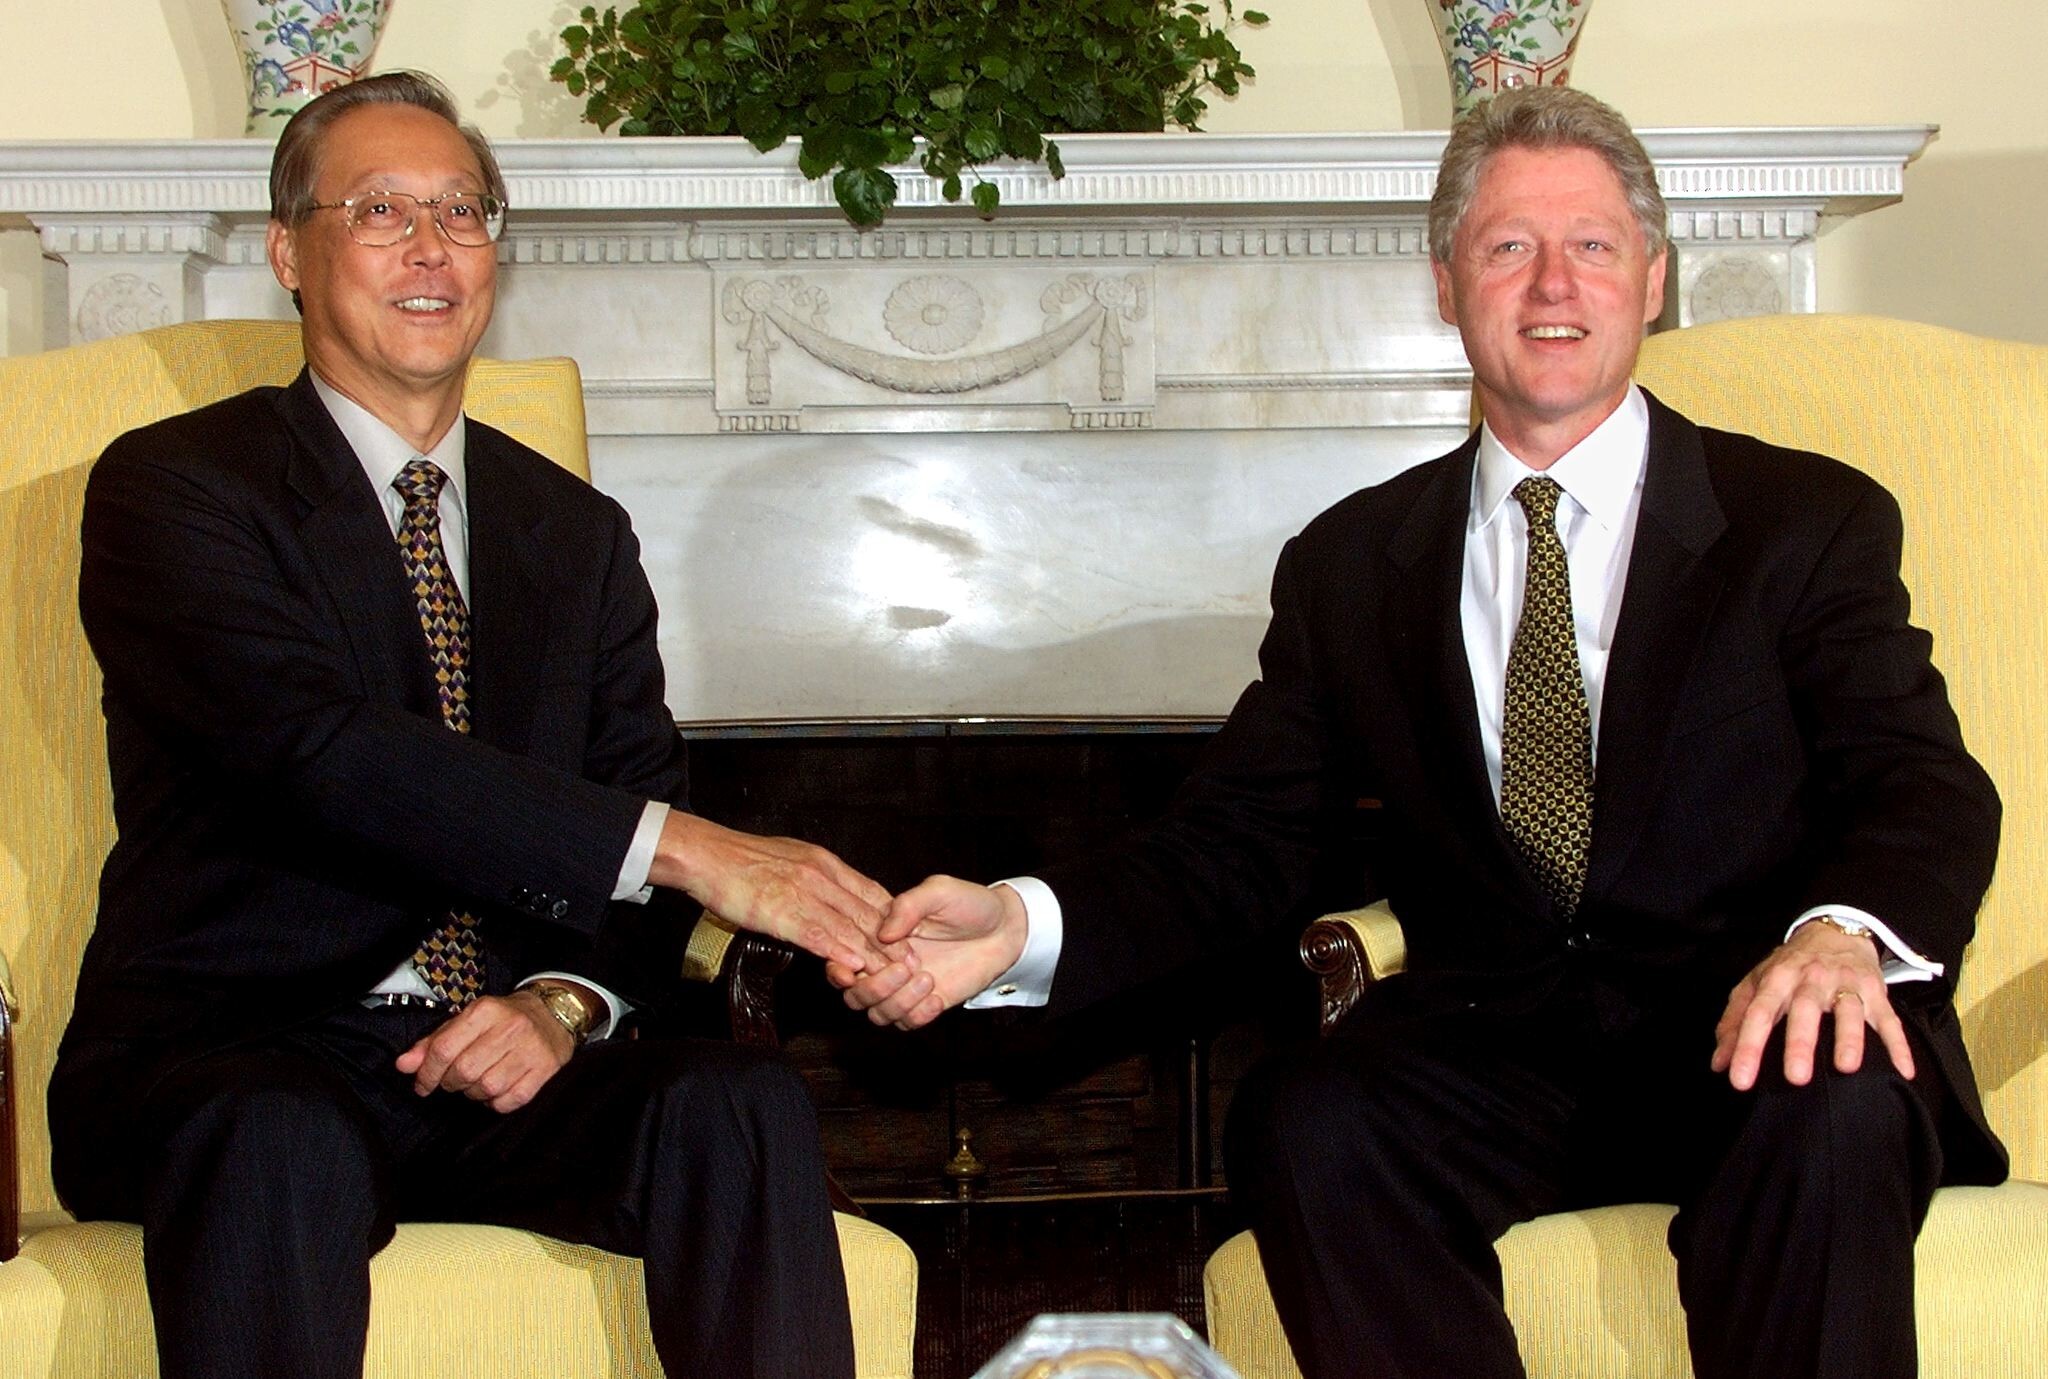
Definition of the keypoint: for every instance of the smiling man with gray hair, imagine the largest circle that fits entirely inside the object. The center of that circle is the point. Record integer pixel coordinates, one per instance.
(402, 837)
(1671, 804)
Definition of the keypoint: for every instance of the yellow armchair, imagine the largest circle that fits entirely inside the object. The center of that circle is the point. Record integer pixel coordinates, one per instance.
(72, 1301)
(1957, 428)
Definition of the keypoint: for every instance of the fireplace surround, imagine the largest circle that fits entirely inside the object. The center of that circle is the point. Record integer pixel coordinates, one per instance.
(1036, 466)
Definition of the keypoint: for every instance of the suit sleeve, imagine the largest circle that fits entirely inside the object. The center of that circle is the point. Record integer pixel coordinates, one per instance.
(1236, 852)
(632, 741)
(633, 745)
(1910, 820)
(220, 645)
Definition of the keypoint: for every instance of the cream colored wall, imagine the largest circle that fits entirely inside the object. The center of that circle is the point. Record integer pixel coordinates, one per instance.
(146, 68)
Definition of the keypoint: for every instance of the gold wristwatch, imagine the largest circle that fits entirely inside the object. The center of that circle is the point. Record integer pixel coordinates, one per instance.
(572, 1008)
(1854, 928)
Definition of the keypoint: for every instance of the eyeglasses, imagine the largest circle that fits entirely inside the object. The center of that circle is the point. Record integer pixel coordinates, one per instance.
(378, 219)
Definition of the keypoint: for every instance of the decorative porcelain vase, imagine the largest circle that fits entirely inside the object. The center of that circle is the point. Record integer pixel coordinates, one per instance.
(292, 50)
(1492, 45)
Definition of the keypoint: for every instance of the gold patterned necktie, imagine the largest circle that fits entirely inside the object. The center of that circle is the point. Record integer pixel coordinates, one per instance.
(1546, 748)
(450, 959)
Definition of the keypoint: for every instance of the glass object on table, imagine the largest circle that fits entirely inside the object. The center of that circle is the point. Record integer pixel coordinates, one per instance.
(1107, 1345)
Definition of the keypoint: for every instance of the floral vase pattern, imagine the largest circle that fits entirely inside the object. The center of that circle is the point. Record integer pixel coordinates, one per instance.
(292, 50)
(1491, 45)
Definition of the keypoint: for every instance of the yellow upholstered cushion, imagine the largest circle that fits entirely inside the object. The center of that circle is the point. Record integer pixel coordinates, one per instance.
(75, 1308)
(538, 402)
(1594, 1294)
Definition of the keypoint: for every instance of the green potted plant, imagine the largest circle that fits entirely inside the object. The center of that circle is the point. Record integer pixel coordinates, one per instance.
(864, 84)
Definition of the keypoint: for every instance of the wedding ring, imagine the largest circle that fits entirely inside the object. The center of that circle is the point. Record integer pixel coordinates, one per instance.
(1845, 992)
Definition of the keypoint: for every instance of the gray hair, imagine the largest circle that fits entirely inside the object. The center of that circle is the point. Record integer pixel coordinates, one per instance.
(1542, 117)
(296, 165)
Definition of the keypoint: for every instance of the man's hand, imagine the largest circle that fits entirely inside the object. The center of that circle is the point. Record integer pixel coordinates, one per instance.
(961, 937)
(496, 1049)
(781, 887)
(1818, 970)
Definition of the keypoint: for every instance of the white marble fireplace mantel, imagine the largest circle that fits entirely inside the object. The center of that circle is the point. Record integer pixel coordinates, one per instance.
(1036, 465)
(1181, 241)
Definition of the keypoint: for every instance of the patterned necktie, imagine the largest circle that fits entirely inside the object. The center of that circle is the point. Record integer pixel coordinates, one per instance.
(1546, 749)
(450, 959)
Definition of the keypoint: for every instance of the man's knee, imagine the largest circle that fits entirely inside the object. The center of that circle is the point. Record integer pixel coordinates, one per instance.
(261, 1126)
(1869, 1116)
(1848, 1147)
(706, 1086)
(1293, 1104)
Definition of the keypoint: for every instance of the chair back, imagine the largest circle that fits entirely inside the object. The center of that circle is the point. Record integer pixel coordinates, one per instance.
(1957, 428)
(58, 411)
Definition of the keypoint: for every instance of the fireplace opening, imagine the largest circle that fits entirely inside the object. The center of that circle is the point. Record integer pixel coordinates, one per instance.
(1098, 1133)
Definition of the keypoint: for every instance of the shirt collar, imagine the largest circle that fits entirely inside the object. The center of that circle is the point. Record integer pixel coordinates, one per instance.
(1600, 473)
(382, 452)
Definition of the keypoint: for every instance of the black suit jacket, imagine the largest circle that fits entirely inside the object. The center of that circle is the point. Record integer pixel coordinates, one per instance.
(1773, 736)
(291, 808)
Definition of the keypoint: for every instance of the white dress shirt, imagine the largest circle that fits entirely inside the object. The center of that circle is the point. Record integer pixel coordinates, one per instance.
(382, 452)
(1602, 478)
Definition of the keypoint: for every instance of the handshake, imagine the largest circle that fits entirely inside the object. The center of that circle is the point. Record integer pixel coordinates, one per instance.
(903, 959)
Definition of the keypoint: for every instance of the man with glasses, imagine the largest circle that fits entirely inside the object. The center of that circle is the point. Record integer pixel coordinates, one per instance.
(391, 767)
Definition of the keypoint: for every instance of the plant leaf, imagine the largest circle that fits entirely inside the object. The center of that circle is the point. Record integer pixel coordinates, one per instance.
(820, 151)
(865, 194)
(982, 142)
(761, 122)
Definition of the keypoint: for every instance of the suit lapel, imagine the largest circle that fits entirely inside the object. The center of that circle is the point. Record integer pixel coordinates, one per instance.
(1674, 583)
(349, 540)
(508, 628)
(1427, 650)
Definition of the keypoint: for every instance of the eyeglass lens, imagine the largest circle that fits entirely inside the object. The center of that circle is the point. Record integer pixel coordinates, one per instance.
(469, 218)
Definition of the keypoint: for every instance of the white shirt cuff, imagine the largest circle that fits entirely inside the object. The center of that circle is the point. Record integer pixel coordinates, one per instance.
(615, 1009)
(1898, 962)
(640, 855)
(1029, 980)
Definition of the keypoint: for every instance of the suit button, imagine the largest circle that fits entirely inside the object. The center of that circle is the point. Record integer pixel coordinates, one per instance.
(559, 909)
(1578, 940)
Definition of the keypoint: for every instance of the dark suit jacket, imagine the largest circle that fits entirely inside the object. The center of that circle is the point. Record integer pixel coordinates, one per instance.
(291, 808)
(1773, 736)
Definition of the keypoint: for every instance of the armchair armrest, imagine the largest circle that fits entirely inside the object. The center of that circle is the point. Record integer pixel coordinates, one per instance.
(10, 1152)
(745, 965)
(1350, 950)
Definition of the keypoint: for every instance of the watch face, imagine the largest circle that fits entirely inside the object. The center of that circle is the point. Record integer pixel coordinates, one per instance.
(570, 1008)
